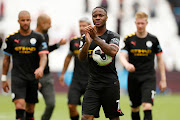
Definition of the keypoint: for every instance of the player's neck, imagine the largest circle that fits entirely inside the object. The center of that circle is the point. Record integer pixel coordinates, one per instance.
(141, 34)
(38, 30)
(101, 30)
(25, 33)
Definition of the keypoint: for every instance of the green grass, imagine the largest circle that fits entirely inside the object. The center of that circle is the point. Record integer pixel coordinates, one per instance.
(166, 108)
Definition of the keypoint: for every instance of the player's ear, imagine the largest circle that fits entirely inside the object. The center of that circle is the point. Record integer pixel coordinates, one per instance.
(135, 22)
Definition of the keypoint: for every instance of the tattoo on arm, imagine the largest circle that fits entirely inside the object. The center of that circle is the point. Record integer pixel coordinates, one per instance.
(110, 50)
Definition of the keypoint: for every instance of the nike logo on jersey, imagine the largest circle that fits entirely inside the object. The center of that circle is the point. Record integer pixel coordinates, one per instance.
(134, 43)
(16, 40)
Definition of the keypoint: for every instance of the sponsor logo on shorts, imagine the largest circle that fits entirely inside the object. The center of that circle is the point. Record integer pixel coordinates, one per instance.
(153, 93)
(12, 95)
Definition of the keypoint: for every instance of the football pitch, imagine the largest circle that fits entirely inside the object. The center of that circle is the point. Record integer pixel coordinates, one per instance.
(166, 108)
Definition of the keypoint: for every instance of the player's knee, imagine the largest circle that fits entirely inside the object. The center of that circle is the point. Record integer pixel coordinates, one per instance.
(147, 106)
(87, 117)
(136, 109)
(72, 107)
(30, 108)
(19, 103)
(116, 118)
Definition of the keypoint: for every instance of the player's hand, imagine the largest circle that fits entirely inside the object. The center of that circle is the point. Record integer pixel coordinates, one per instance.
(130, 67)
(61, 80)
(5, 86)
(62, 41)
(162, 85)
(39, 73)
(88, 38)
(92, 31)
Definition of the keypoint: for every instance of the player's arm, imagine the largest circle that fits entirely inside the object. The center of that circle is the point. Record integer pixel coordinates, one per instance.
(43, 51)
(124, 60)
(109, 49)
(83, 52)
(161, 66)
(52, 47)
(62, 41)
(55, 46)
(42, 64)
(6, 63)
(66, 64)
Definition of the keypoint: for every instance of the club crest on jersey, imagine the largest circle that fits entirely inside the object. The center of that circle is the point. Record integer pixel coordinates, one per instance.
(33, 41)
(4, 46)
(149, 44)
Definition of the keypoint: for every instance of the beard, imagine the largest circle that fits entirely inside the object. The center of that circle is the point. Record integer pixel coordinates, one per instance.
(101, 25)
(44, 31)
(25, 28)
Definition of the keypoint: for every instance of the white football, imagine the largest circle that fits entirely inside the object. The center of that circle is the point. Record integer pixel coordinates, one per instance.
(100, 57)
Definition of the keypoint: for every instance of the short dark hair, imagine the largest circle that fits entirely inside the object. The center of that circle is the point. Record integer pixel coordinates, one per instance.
(100, 8)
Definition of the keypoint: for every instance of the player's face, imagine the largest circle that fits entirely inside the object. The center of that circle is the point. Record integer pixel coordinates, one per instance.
(82, 25)
(99, 17)
(46, 25)
(24, 22)
(141, 24)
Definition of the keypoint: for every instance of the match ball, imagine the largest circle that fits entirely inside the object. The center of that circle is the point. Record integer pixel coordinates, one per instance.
(100, 57)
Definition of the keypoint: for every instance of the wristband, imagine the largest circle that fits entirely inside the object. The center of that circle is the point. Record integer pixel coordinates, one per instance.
(4, 78)
(57, 45)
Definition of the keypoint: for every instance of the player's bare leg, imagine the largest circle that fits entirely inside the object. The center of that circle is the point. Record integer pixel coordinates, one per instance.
(87, 117)
(19, 103)
(20, 108)
(147, 107)
(30, 111)
(135, 113)
(117, 118)
(73, 112)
